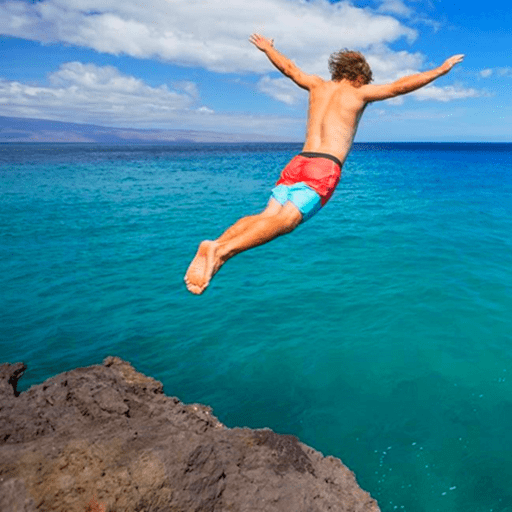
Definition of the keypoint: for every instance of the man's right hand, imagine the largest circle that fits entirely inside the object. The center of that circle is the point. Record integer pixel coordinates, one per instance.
(449, 63)
(261, 42)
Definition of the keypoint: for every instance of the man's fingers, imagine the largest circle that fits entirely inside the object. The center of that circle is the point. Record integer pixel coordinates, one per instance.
(255, 38)
(454, 59)
(261, 42)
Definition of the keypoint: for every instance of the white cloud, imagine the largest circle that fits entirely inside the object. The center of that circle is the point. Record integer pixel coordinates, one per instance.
(399, 100)
(388, 66)
(446, 93)
(101, 95)
(90, 93)
(188, 87)
(395, 7)
(211, 33)
(501, 72)
(208, 33)
(281, 89)
(205, 110)
(417, 114)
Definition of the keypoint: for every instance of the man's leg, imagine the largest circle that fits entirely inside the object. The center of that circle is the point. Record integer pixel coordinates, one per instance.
(273, 208)
(249, 232)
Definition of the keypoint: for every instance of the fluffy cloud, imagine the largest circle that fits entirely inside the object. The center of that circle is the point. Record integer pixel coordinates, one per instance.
(210, 34)
(213, 34)
(447, 93)
(505, 71)
(401, 9)
(395, 7)
(281, 89)
(388, 66)
(86, 93)
(101, 95)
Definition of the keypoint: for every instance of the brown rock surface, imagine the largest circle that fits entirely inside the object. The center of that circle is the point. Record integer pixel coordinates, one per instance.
(107, 438)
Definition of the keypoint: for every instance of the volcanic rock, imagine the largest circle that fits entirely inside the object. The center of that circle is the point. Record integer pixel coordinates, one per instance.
(106, 438)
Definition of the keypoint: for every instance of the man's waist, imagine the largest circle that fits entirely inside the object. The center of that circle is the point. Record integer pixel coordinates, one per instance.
(314, 154)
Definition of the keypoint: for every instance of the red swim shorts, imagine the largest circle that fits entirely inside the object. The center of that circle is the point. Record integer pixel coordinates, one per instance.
(319, 171)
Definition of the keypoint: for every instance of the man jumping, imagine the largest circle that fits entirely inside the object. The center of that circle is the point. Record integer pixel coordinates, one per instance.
(309, 179)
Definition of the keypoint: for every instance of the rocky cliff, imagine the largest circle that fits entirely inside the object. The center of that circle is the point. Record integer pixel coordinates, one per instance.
(109, 433)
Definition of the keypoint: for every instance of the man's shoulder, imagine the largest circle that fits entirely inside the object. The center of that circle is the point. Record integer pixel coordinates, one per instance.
(317, 80)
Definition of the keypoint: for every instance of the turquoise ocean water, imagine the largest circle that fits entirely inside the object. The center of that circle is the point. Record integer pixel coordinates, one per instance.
(379, 332)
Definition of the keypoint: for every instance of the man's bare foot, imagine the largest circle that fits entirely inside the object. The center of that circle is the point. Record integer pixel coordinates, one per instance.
(203, 267)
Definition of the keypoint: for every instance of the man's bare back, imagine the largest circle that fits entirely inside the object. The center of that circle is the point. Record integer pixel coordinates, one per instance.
(335, 109)
(308, 181)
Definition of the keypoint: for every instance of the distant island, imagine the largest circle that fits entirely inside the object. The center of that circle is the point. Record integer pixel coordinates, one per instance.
(17, 129)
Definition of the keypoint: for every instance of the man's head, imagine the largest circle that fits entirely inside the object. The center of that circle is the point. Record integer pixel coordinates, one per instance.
(351, 66)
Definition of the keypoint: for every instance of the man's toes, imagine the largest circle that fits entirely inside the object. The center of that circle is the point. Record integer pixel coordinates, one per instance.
(192, 288)
(200, 289)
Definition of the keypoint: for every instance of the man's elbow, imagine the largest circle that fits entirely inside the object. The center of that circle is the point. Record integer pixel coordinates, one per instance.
(289, 69)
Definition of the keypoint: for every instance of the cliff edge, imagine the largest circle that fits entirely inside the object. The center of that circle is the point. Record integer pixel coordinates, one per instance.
(109, 432)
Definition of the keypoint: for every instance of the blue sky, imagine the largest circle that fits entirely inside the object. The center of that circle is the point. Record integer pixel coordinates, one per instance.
(187, 64)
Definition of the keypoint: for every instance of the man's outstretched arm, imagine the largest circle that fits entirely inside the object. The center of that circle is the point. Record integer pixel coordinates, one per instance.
(285, 65)
(408, 83)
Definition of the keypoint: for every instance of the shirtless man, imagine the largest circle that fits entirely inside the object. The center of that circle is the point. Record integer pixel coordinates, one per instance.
(309, 179)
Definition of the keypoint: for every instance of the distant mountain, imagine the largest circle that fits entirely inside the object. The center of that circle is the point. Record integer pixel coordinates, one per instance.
(17, 129)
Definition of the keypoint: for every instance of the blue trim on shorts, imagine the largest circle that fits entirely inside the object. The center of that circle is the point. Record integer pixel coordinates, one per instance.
(306, 199)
